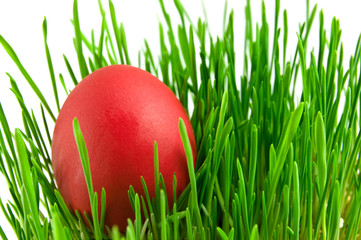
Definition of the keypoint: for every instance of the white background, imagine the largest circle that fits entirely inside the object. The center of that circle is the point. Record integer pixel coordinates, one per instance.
(21, 26)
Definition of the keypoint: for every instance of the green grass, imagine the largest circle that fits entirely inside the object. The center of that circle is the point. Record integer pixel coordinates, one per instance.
(269, 166)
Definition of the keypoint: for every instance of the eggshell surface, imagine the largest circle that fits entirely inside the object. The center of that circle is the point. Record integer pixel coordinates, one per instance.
(122, 111)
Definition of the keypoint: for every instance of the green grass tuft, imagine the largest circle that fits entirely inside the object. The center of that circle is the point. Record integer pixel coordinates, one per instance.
(269, 165)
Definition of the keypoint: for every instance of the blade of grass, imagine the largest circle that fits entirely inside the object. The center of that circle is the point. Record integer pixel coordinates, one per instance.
(84, 157)
(189, 155)
(58, 232)
(50, 64)
(32, 84)
(28, 181)
(116, 31)
(78, 41)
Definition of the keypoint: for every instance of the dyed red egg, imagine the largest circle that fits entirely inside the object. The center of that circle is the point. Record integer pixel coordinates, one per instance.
(122, 111)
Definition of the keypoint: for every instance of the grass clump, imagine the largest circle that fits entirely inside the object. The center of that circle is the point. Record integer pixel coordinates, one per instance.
(269, 166)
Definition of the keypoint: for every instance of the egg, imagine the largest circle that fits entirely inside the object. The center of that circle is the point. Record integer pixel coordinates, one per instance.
(122, 111)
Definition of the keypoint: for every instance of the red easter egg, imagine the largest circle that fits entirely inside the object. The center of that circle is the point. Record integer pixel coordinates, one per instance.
(122, 111)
